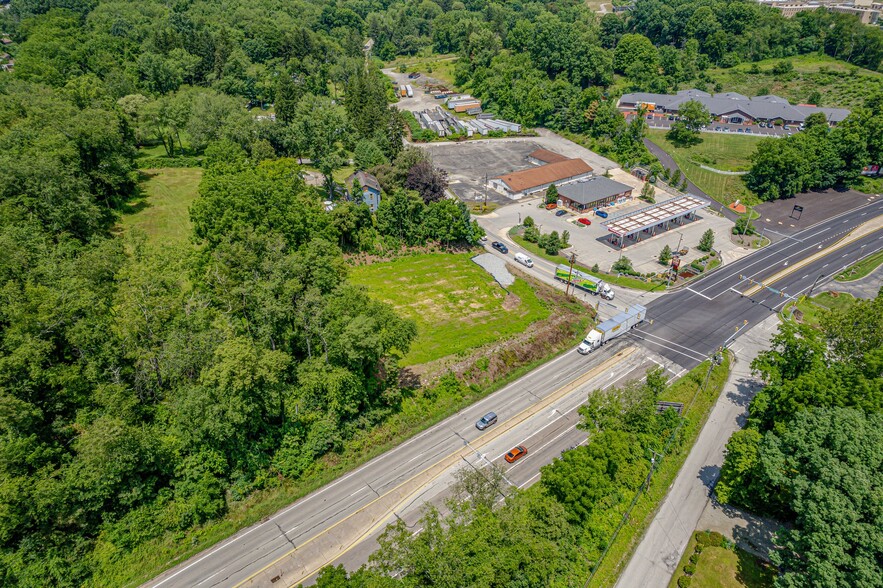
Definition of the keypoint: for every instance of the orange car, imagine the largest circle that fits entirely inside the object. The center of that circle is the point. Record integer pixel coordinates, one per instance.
(516, 453)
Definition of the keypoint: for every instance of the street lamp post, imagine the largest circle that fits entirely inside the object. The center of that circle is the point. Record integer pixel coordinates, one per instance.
(811, 288)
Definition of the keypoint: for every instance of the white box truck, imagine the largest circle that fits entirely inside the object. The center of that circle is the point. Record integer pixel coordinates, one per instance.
(612, 328)
(409, 90)
(523, 259)
(584, 281)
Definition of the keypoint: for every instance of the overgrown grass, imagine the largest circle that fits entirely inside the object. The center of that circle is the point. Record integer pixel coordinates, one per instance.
(861, 269)
(162, 209)
(722, 151)
(813, 309)
(440, 67)
(417, 414)
(456, 304)
(622, 281)
(839, 83)
(719, 567)
(684, 390)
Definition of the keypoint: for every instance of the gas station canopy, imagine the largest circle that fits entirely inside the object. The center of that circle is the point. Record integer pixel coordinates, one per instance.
(657, 214)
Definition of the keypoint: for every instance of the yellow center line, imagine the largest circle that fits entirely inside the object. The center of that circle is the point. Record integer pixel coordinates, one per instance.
(433, 472)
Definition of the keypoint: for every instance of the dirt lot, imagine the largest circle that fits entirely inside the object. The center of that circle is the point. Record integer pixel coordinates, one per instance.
(778, 217)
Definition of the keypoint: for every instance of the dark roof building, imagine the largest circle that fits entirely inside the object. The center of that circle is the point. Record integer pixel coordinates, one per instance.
(521, 183)
(732, 106)
(592, 192)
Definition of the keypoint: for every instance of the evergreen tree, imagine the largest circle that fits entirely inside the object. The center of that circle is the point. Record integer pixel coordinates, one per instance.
(707, 241)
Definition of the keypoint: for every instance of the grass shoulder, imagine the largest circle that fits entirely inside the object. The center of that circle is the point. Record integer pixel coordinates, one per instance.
(698, 402)
(161, 209)
(622, 281)
(861, 269)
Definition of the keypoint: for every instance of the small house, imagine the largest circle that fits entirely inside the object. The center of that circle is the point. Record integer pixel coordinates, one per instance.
(370, 189)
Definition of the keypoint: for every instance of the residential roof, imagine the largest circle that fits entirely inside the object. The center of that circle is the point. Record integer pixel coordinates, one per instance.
(547, 156)
(592, 190)
(366, 180)
(645, 218)
(545, 174)
(758, 108)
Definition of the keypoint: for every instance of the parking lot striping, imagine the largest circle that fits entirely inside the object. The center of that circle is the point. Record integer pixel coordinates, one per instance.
(482, 440)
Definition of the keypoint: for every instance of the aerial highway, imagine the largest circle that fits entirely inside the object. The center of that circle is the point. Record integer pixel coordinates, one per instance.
(340, 522)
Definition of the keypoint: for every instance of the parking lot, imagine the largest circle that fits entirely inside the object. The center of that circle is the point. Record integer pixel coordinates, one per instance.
(591, 245)
(468, 163)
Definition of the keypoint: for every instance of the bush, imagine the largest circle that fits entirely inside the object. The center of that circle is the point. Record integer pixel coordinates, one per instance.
(623, 265)
(684, 581)
(710, 539)
(694, 559)
(743, 227)
(707, 241)
(596, 269)
(528, 221)
(689, 569)
(531, 234)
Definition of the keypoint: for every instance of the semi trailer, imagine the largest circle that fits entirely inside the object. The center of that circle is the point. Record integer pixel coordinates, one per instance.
(584, 281)
(612, 328)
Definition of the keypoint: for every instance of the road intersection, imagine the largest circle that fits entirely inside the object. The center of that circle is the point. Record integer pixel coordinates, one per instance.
(340, 522)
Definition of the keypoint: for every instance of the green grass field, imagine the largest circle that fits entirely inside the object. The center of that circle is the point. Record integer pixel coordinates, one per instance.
(719, 567)
(162, 209)
(813, 310)
(456, 304)
(440, 67)
(839, 83)
(717, 150)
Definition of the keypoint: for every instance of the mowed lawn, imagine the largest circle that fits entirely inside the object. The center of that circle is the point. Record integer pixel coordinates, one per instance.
(456, 304)
(162, 210)
(724, 568)
(727, 152)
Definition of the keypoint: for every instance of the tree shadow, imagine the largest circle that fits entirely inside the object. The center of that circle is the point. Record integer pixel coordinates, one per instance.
(408, 379)
(708, 475)
(743, 393)
(751, 532)
(138, 200)
(752, 571)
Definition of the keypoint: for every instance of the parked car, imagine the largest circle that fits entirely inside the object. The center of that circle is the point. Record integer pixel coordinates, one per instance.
(551, 206)
(500, 247)
(486, 421)
(747, 130)
(414, 75)
(786, 128)
(649, 117)
(584, 221)
(483, 238)
(560, 213)
(601, 213)
(717, 128)
(516, 453)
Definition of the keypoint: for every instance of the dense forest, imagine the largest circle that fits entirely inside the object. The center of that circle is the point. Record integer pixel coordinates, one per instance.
(144, 388)
(812, 453)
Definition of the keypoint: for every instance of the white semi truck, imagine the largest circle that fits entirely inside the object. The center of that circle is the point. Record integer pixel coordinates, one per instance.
(612, 328)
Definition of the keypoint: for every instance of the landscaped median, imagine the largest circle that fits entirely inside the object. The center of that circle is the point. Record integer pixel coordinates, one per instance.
(862, 268)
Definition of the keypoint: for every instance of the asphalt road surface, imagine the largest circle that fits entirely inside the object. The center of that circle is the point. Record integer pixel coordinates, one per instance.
(689, 324)
(339, 522)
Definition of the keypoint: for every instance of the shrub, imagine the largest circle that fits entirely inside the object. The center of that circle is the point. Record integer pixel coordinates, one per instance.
(624, 265)
(528, 221)
(707, 241)
(684, 581)
(710, 539)
(694, 559)
(596, 269)
(743, 227)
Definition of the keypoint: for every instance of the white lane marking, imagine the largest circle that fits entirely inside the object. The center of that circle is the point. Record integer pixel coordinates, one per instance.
(558, 436)
(697, 293)
(531, 479)
(360, 490)
(667, 342)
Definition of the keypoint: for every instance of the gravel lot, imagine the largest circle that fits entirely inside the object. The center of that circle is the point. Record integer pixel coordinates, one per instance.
(496, 266)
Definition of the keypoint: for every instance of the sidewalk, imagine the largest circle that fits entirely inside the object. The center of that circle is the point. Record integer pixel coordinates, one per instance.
(657, 556)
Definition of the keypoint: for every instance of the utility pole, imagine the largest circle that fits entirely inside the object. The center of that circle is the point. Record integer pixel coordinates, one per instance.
(811, 288)
(484, 206)
(570, 275)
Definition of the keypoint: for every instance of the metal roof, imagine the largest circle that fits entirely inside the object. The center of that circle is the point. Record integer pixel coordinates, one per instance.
(759, 108)
(591, 190)
(645, 218)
